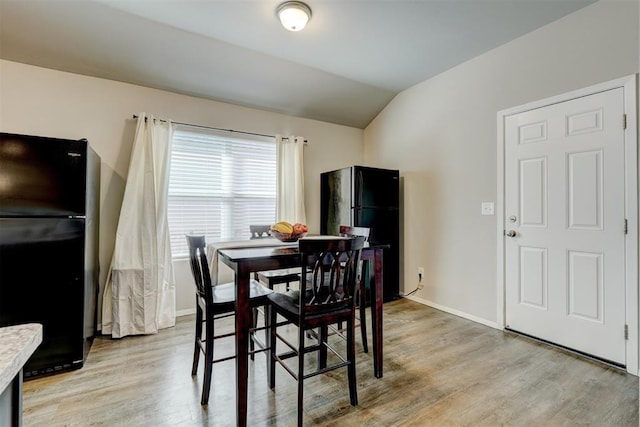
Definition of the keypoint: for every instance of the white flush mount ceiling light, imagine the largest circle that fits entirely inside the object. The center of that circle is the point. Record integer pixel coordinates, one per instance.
(293, 15)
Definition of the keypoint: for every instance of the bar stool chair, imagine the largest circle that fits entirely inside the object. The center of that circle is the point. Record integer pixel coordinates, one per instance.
(329, 269)
(214, 303)
(361, 293)
(271, 278)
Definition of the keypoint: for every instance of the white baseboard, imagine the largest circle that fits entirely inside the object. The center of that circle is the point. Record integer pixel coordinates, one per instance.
(455, 312)
(186, 312)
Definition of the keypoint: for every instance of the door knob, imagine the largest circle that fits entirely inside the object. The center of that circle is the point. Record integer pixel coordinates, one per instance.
(510, 233)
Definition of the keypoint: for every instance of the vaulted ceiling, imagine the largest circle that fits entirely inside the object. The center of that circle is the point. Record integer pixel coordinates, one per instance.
(353, 57)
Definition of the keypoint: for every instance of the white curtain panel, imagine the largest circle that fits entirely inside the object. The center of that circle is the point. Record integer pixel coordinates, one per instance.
(290, 191)
(139, 296)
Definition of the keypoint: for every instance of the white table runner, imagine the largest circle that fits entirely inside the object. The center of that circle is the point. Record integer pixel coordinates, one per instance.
(213, 248)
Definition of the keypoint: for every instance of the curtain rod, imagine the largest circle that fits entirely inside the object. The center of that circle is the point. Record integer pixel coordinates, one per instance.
(226, 130)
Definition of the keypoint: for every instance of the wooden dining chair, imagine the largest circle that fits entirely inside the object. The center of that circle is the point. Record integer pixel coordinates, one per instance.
(271, 278)
(260, 231)
(361, 293)
(329, 269)
(214, 303)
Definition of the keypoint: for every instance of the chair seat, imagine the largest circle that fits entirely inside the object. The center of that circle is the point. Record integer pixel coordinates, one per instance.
(287, 301)
(277, 277)
(283, 275)
(226, 293)
(287, 305)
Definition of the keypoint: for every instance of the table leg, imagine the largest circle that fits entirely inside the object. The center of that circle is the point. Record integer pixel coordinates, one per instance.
(242, 345)
(376, 311)
(362, 301)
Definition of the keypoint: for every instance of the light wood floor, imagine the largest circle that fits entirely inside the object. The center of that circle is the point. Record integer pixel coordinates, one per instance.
(439, 370)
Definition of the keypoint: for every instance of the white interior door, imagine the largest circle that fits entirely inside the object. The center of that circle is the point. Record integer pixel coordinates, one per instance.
(564, 205)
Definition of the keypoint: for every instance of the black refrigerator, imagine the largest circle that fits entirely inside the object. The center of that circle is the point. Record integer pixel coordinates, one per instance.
(362, 196)
(49, 207)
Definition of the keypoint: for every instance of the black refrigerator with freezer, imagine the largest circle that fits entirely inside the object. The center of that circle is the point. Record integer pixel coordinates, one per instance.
(365, 197)
(49, 205)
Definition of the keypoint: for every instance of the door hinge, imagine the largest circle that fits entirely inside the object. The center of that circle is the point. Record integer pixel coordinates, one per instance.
(626, 332)
(624, 121)
(626, 226)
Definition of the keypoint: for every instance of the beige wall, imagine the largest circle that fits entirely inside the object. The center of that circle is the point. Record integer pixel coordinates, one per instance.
(45, 102)
(441, 134)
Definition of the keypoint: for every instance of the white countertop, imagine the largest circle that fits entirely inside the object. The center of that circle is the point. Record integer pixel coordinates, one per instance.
(17, 344)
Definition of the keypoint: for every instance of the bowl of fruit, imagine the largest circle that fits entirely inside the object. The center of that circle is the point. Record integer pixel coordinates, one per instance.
(287, 232)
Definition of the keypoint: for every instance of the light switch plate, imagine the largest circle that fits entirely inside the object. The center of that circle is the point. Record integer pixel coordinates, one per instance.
(487, 208)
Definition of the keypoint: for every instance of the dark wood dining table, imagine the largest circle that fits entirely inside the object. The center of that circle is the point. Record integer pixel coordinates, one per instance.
(244, 261)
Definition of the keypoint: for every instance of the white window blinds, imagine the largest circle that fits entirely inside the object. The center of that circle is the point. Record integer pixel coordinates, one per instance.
(219, 184)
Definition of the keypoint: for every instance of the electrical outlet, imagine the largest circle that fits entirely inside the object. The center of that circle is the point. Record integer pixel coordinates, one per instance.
(420, 276)
(487, 208)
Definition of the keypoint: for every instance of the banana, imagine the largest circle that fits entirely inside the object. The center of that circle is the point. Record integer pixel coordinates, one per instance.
(282, 227)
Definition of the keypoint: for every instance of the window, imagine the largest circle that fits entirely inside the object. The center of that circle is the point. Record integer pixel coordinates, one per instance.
(219, 184)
